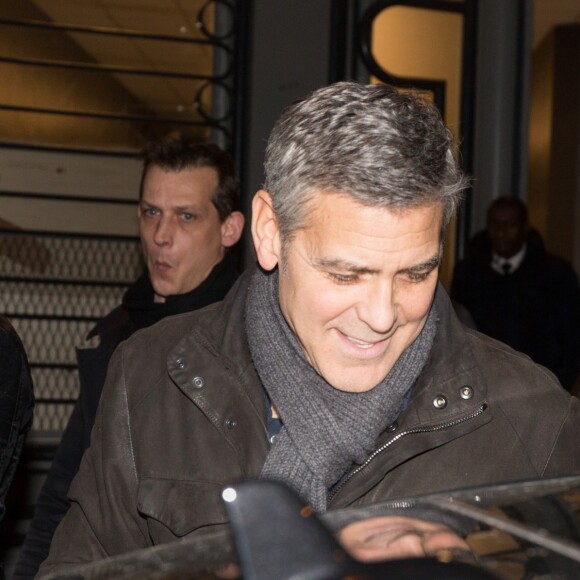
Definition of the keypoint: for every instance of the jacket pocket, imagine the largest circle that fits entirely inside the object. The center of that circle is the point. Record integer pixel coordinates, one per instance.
(176, 508)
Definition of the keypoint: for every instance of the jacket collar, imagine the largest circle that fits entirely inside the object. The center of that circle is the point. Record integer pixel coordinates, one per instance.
(212, 366)
(452, 381)
(220, 328)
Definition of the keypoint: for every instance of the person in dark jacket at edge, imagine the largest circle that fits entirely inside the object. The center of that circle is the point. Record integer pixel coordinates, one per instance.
(16, 407)
(519, 293)
(188, 220)
(337, 367)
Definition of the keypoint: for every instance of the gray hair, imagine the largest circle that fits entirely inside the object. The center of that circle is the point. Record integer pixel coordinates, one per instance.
(380, 146)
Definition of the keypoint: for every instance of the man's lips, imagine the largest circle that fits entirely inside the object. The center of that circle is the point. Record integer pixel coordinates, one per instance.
(360, 343)
(161, 266)
(363, 347)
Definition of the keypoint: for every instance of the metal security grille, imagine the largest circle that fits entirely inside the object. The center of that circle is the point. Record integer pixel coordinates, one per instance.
(54, 289)
(117, 73)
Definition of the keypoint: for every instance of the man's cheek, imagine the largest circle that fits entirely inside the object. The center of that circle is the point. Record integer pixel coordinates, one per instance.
(329, 304)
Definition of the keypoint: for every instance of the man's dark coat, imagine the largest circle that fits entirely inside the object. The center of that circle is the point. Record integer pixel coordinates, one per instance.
(137, 311)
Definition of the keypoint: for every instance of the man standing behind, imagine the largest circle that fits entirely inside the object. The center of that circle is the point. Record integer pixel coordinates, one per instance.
(518, 293)
(188, 219)
(338, 367)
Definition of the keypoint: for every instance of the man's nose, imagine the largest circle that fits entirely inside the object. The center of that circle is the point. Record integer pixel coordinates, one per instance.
(163, 232)
(378, 309)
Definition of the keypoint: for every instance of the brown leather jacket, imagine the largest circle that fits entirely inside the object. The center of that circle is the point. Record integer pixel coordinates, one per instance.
(183, 414)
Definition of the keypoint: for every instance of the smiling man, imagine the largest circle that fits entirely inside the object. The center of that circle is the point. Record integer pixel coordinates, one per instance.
(353, 310)
(188, 221)
(337, 366)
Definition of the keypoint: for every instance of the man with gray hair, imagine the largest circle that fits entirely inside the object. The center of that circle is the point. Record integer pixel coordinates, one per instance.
(337, 366)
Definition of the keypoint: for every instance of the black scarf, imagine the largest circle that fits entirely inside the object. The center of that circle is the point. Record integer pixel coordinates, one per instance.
(325, 430)
(139, 309)
(139, 302)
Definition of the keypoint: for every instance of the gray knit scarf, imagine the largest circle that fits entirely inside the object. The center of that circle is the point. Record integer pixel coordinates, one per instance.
(326, 431)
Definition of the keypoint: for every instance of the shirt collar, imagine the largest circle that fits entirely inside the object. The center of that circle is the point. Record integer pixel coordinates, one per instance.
(515, 261)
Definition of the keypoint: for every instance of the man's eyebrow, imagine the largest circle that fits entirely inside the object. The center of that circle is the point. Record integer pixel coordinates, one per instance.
(144, 203)
(192, 207)
(426, 266)
(189, 207)
(343, 266)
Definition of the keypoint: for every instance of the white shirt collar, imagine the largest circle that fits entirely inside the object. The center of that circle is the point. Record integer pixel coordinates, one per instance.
(497, 262)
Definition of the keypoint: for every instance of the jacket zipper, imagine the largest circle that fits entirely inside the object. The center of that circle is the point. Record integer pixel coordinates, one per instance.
(431, 429)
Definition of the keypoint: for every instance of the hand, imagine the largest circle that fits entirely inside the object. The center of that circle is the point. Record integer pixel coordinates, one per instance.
(397, 537)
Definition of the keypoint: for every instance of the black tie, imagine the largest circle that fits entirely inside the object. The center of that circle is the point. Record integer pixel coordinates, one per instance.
(506, 267)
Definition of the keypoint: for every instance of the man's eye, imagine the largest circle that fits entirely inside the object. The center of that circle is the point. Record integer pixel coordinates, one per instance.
(418, 276)
(151, 211)
(343, 278)
(188, 217)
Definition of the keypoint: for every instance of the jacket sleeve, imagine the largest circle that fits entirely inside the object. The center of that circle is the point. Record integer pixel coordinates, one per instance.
(52, 503)
(103, 519)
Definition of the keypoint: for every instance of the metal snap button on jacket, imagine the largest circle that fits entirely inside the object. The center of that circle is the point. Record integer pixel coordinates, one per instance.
(466, 392)
(440, 402)
(231, 422)
(179, 363)
(392, 427)
(198, 382)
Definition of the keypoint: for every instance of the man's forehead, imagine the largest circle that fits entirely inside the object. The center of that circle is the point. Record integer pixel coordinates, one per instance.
(327, 198)
(181, 194)
(325, 206)
(361, 239)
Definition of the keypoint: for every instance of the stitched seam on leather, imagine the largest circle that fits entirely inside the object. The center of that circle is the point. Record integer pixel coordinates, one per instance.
(128, 418)
(557, 438)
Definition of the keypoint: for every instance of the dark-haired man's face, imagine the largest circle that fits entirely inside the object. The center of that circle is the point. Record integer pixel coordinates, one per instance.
(182, 236)
(506, 230)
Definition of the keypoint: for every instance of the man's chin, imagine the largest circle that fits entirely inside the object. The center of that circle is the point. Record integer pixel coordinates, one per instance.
(352, 382)
(161, 291)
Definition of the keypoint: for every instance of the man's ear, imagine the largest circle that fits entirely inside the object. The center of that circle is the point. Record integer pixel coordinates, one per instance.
(232, 228)
(265, 231)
